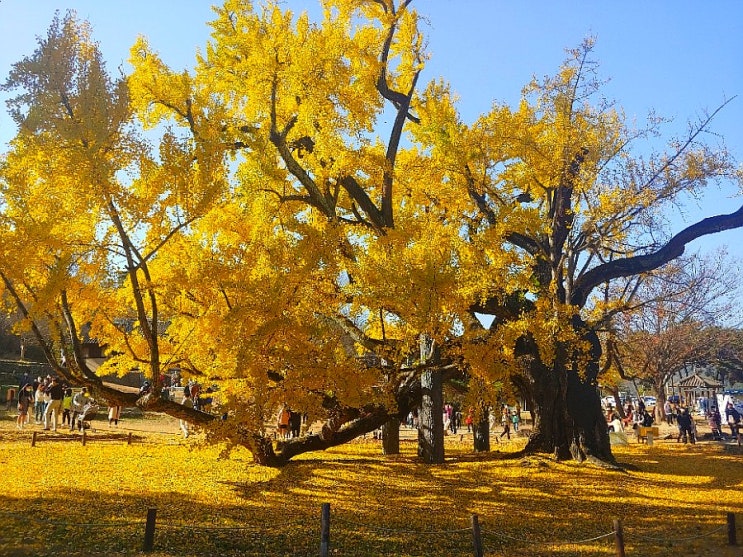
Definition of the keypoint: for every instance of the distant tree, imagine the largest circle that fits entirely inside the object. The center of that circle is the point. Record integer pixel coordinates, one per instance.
(673, 321)
(729, 357)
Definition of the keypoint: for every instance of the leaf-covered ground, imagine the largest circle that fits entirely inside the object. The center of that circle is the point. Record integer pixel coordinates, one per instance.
(63, 498)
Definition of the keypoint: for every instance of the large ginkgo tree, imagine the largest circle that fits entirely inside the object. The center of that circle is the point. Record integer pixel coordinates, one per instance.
(301, 221)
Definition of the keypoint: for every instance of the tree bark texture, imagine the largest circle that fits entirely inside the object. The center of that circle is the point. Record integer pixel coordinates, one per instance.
(431, 418)
(569, 421)
(391, 436)
(481, 431)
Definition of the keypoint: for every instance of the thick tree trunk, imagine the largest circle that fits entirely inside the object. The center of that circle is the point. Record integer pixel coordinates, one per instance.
(660, 403)
(551, 431)
(431, 418)
(590, 435)
(569, 421)
(391, 436)
(481, 431)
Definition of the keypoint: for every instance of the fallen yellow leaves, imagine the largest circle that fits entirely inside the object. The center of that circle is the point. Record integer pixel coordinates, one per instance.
(89, 499)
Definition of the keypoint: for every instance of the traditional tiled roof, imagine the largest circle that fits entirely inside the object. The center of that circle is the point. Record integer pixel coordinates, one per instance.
(699, 381)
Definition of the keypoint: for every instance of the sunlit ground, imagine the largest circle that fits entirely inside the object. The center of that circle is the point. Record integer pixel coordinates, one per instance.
(63, 498)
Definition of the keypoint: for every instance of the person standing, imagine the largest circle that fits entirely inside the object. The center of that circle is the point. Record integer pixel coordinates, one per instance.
(684, 421)
(195, 390)
(630, 417)
(470, 419)
(295, 424)
(39, 401)
(516, 419)
(54, 408)
(67, 407)
(26, 379)
(668, 412)
(25, 401)
(282, 422)
(188, 403)
(714, 420)
(114, 413)
(732, 417)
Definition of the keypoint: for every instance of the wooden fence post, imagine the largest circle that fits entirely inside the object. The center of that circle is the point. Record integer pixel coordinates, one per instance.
(476, 539)
(129, 440)
(731, 529)
(325, 530)
(149, 530)
(83, 437)
(619, 537)
(33, 439)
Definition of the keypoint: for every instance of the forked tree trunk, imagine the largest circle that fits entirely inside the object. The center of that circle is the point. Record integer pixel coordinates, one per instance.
(569, 421)
(431, 418)
(391, 436)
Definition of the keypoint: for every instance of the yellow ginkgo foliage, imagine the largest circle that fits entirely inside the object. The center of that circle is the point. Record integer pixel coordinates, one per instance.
(308, 224)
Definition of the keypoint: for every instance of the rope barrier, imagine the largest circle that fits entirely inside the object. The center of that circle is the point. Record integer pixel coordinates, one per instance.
(208, 528)
(94, 525)
(73, 524)
(396, 531)
(165, 524)
(525, 541)
(674, 540)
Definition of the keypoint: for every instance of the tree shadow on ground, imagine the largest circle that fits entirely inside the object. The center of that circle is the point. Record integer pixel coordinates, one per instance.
(394, 506)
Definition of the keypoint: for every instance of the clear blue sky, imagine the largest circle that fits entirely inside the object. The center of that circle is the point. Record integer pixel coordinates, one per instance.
(678, 57)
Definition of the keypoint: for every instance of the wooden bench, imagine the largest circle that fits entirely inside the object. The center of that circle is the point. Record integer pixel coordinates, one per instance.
(643, 432)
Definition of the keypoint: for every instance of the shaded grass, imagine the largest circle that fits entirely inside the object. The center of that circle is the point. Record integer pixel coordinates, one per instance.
(65, 498)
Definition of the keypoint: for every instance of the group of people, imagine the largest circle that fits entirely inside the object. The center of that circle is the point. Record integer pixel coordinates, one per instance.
(52, 403)
(634, 417)
(288, 423)
(453, 419)
(194, 397)
(687, 427)
(679, 414)
(509, 419)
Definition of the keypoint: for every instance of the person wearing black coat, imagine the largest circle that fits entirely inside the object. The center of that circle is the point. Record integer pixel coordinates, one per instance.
(685, 425)
(732, 417)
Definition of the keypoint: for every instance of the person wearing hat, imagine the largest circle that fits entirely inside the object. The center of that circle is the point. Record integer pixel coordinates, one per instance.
(78, 405)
